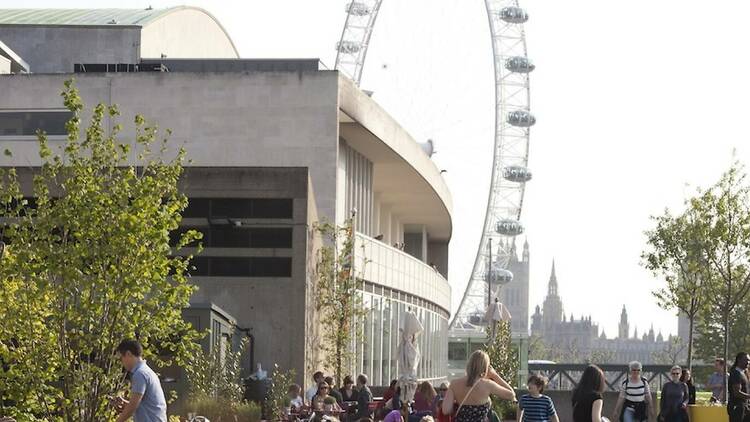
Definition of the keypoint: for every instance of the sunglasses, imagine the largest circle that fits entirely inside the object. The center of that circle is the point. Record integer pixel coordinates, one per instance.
(676, 374)
(635, 370)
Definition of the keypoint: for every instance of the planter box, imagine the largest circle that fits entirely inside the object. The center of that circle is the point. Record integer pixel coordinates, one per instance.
(708, 413)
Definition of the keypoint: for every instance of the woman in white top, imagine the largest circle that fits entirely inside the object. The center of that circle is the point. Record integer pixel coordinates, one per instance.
(635, 395)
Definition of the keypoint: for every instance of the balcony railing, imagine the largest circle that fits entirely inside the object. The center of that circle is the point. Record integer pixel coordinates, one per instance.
(389, 267)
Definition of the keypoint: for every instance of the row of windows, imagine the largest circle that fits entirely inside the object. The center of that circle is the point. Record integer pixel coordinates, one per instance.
(218, 208)
(255, 266)
(26, 123)
(239, 237)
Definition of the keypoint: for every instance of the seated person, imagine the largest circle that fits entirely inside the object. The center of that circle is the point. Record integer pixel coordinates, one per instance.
(295, 400)
(319, 401)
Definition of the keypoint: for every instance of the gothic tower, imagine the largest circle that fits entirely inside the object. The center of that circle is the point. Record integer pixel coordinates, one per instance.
(515, 295)
(552, 309)
(624, 328)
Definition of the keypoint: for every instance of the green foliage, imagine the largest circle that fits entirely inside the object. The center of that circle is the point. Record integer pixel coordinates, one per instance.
(671, 352)
(710, 331)
(337, 298)
(224, 410)
(88, 265)
(675, 253)
(278, 399)
(218, 373)
(504, 359)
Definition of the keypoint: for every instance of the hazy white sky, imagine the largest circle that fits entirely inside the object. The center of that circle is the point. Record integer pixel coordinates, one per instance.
(637, 102)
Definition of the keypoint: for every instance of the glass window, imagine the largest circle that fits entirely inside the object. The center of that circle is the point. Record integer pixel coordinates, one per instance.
(229, 237)
(367, 346)
(457, 351)
(271, 208)
(271, 267)
(197, 208)
(26, 123)
(271, 237)
(377, 343)
(242, 266)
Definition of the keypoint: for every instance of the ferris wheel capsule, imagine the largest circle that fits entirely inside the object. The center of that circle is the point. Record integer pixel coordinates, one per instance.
(513, 15)
(509, 227)
(519, 64)
(348, 47)
(498, 275)
(358, 9)
(518, 174)
(521, 118)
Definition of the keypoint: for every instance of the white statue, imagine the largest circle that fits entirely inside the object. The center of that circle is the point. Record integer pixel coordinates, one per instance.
(409, 355)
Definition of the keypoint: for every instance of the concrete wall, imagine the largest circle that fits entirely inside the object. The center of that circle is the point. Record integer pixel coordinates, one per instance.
(263, 119)
(54, 49)
(273, 309)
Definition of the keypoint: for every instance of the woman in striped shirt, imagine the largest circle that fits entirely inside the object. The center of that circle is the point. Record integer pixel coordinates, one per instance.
(635, 396)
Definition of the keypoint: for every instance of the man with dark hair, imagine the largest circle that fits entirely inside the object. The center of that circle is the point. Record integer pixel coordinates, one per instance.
(716, 381)
(364, 397)
(334, 391)
(146, 402)
(737, 405)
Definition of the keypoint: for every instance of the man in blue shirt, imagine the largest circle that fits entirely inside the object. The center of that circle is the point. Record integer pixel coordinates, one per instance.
(146, 403)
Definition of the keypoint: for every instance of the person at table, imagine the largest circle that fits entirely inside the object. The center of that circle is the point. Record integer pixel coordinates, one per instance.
(313, 390)
(318, 402)
(424, 397)
(364, 397)
(390, 391)
(334, 392)
(348, 392)
(295, 400)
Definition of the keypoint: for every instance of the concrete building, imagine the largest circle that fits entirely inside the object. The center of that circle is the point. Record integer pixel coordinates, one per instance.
(276, 146)
(581, 339)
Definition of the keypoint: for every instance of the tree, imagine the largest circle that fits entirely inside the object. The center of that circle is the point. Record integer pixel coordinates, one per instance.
(671, 352)
(504, 359)
(708, 344)
(675, 253)
(88, 264)
(724, 232)
(338, 300)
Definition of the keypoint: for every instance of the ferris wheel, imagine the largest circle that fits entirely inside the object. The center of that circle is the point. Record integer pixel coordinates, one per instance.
(513, 120)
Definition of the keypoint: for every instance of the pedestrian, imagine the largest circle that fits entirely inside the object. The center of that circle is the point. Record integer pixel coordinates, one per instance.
(687, 378)
(634, 403)
(146, 402)
(535, 406)
(587, 396)
(473, 391)
(674, 398)
(348, 392)
(424, 397)
(716, 381)
(737, 405)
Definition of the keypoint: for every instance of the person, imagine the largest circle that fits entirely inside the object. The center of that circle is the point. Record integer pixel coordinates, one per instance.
(364, 397)
(348, 393)
(634, 403)
(424, 397)
(334, 392)
(716, 381)
(687, 378)
(390, 391)
(674, 398)
(437, 408)
(587, 396)
(535, 406)
(313, 390)
(295, 400)
(473, 391)
(737, 405)
(146, 402)
(318, 402)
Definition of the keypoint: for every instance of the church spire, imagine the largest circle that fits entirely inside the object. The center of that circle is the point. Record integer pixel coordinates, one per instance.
(552, 287)
(525, 256)
(624, 327)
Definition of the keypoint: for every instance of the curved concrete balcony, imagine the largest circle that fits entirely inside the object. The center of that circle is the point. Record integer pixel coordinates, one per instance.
(390, 267)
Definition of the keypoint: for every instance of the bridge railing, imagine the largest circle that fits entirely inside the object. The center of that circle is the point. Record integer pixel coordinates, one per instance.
(565, 376)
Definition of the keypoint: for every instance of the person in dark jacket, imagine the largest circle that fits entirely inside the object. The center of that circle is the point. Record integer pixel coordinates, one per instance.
(334, 391)
(674, 398)
(364, 397)
(587, 396)
(687, 378)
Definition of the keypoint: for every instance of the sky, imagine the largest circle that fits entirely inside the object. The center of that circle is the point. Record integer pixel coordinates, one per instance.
(637, 103)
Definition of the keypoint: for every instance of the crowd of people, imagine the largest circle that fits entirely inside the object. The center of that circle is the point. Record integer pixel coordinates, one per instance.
(467, 399)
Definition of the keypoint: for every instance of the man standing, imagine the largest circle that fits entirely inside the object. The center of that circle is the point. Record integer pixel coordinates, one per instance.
(313, 390)
(364, 397)
(716, 381)
(738, 390)
(146, 402)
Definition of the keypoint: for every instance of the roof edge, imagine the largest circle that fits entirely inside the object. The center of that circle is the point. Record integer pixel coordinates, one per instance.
(174, 9)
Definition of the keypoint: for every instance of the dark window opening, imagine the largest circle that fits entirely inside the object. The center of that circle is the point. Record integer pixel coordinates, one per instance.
(271, 238)
(26, 123)
(457, 351)
(238, 237)
(271, 208)
(197, 208)
(228, 208)
(242, 266)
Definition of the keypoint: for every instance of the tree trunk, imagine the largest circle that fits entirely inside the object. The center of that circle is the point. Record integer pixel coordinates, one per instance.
(690, 344)
(726, 355)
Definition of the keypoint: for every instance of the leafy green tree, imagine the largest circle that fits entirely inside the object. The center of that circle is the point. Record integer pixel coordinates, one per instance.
(709, 332)
(88, 263)
(337, 299)
(504, 359)
(675, 253)
(723, 212)
(217, 374)
(278, 398)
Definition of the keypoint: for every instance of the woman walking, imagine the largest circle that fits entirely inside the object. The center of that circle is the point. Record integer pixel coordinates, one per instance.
(674, 398)
(587, 396)
(472, 392)
(687, 378)
(634, 403)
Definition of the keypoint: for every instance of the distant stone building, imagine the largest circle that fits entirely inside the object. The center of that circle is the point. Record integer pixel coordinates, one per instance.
(515, 295)
(582, 337)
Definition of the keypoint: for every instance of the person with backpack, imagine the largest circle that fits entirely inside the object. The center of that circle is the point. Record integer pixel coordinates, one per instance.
(634, 403)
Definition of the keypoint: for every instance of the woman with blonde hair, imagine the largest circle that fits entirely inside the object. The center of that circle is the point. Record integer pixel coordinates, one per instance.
(472, 392)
